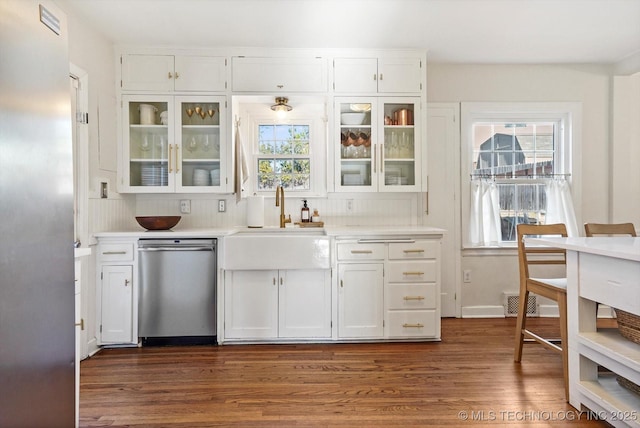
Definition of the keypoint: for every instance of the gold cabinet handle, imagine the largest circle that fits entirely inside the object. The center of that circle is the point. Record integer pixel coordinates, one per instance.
(413, 251)
(81, 324)
(413, 298)
(170, 148)
(413, 273)
(381, 76)
(126, 282)
(417, 325)
(274, 280)
(375, 157)
(381, 157)
(341, 284)
(177, 75)
(177, 158)
(281, 281)
(170, 75)
(361, 251)
(375, 77)
(112, 253)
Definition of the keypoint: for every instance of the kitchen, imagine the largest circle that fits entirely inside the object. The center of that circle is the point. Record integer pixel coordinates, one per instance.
(606, 193)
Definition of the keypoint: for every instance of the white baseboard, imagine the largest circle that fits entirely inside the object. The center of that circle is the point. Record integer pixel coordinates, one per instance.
(483, 311)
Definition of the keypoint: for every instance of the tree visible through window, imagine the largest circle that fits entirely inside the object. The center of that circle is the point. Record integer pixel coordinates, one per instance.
(283, 157)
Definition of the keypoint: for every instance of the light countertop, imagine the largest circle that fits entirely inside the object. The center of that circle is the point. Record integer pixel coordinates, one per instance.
(346, 231)
(622, 247)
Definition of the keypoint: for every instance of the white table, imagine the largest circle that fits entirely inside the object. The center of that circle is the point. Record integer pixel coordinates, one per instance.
(604, 270)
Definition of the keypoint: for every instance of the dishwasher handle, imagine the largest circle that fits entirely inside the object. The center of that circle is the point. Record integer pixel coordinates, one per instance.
(152, 249)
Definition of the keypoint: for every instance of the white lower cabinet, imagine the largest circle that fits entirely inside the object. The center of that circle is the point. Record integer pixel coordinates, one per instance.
(116, 294)
(116, 325)
(389, 290)
(360, 300)
(275, 304)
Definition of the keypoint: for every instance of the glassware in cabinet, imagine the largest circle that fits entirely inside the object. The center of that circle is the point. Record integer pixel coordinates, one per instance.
(398, 160)
(356, 148)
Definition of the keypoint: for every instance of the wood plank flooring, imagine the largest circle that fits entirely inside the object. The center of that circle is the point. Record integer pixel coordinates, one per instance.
(468, 379)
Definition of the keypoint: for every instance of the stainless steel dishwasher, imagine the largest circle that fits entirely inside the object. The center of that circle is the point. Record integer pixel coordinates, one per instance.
(177, 300)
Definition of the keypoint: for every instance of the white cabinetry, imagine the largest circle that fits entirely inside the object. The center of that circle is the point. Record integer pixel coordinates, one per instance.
(261, 74)
(388, 288)
(117, 296)
(372, 75)
(185, 151)
(612, 281)
(377, 144)
(272, 304)
(165, 73)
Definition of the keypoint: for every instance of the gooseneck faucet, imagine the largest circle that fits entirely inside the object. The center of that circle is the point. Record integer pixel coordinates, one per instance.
(280, 203)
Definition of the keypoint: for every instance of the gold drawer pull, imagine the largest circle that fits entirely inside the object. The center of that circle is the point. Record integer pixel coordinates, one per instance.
(413, 298)
(413, 251)
(413, 273)
(418, 325)
(112, 253)
(361, 251)
(81, 324)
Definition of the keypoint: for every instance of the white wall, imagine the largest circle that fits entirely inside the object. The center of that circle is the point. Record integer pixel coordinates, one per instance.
(495, 271)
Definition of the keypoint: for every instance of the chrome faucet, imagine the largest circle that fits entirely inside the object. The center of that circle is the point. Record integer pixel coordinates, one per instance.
(280, 203)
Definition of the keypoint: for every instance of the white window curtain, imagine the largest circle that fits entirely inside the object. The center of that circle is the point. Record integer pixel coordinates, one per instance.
(560, 206)
(484, 228)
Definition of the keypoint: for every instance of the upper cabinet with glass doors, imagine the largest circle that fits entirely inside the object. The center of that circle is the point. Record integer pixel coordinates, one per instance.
(377, 144)
(173, 144)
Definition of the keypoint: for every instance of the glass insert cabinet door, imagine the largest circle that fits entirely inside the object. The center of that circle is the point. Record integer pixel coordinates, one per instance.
(199, 145)
(173, 144)
(148, 142)
(377, 144)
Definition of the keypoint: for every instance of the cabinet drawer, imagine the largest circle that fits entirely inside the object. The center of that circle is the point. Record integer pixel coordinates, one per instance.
(116, 252)
(417, 250)
(411, 323)
(609, 280)
(411, 296)
(418, 271)
(361, 251)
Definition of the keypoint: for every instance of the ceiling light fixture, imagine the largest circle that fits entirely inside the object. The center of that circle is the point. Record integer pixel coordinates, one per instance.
(281, 107)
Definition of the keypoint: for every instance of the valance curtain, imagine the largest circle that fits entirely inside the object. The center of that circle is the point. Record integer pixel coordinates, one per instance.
(560, 206)
(484, 227)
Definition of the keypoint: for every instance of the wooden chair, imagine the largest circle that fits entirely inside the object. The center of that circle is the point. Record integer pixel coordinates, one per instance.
(597, 229)
(551, 288)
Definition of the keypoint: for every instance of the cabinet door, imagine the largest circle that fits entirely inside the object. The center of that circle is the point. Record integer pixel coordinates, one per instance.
(360, 300)
(116, 325)
(355, 145)
(305, 303)
(355, 75)
(200, 149)
(279, 75)
(251, 304)
(399, 75)
(147, 73)
(399, 153)
(148, 149)
(200, 73)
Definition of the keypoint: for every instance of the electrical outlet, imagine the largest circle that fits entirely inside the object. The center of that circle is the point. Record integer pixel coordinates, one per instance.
(222, 206)
(466, 275)
(185, 206)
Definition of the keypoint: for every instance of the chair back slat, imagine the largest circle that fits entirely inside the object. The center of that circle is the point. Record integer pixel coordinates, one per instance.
(610, 229)
(537, 255)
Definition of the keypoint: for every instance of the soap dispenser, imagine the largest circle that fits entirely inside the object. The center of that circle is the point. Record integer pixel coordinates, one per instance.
(304, 213)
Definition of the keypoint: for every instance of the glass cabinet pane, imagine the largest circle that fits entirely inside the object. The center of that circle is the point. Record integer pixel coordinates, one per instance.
(148, 144)
(199, 143)
(399, 165)
(355, 145)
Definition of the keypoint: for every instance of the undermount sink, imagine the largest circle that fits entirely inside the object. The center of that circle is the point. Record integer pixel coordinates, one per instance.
(277, 248)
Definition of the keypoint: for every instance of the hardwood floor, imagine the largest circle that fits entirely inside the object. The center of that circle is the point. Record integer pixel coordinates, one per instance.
(468, 379)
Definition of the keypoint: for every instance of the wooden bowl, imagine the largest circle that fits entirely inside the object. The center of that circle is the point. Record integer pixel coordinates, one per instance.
(158, 222)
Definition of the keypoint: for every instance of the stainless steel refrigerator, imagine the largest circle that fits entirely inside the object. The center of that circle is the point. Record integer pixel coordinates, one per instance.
(36, 218)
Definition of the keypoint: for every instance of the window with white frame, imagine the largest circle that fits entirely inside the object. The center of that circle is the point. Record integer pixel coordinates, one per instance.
(284, 157)
(512, 153)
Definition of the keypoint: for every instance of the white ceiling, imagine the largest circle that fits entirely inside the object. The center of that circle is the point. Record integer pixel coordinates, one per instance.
(470, 31)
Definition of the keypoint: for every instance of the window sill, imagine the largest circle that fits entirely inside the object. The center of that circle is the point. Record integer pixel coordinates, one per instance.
(490, 251)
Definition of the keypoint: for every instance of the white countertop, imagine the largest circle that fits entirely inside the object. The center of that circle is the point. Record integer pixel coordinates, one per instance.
(619, 247)
(346, 231)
